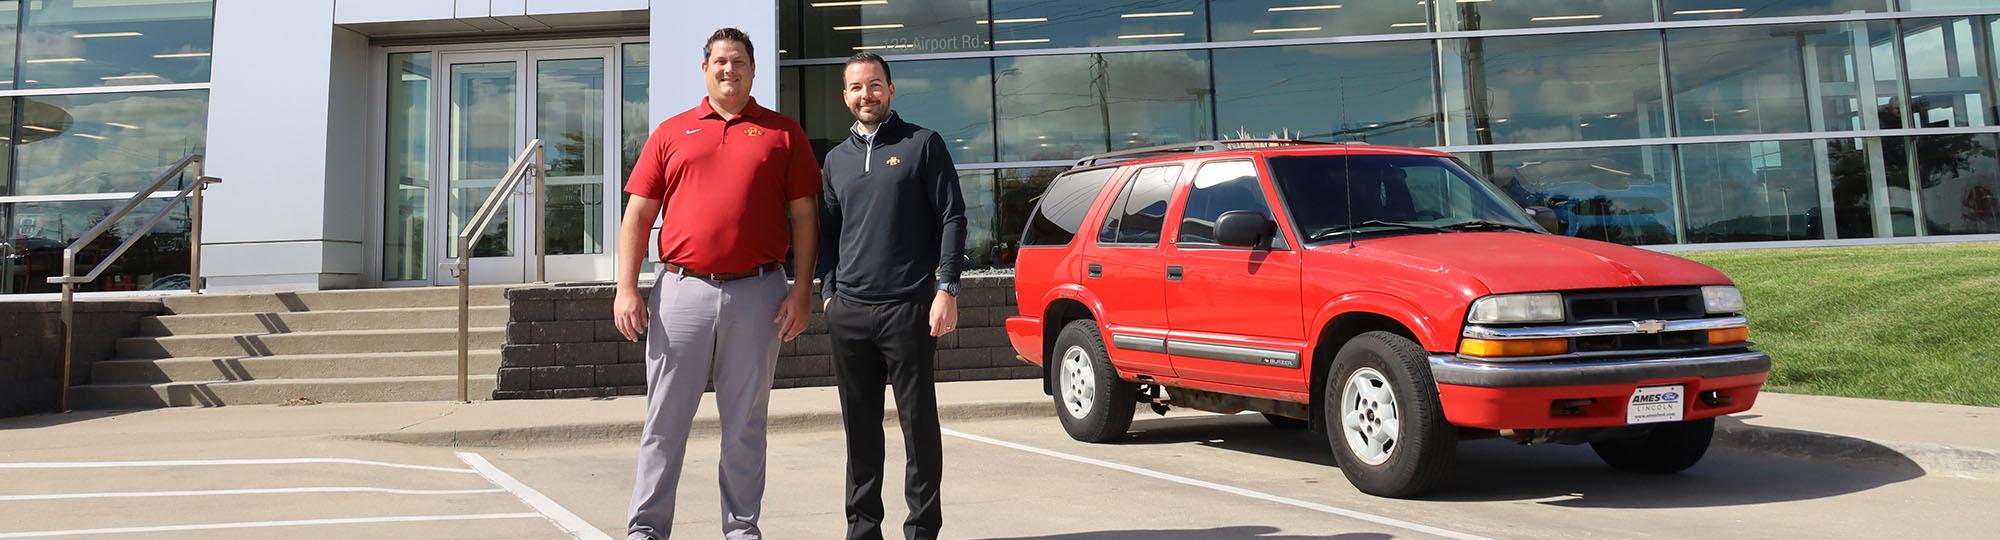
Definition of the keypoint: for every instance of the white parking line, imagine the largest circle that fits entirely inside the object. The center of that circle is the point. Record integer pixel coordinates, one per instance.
(1343, 512)
(213, 462)
(259, 524)
(562, 517)
(265, 491)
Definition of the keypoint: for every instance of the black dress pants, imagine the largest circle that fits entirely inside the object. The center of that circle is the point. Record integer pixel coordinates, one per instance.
(874, 344)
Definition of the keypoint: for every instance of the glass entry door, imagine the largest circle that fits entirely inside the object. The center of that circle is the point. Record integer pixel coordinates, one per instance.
(494, 104)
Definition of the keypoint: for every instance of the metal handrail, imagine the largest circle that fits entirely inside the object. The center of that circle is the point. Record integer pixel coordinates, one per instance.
(69, 279)
(529, 161)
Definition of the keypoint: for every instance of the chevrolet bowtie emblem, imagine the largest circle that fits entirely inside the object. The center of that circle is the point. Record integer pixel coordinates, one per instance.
(1649, 327)
(752, 131)
(894, 161)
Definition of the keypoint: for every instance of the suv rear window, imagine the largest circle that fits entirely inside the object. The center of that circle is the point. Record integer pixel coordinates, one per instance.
(1063, 207)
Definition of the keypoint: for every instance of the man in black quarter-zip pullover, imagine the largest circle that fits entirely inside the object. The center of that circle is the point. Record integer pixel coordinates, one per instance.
(892, 239)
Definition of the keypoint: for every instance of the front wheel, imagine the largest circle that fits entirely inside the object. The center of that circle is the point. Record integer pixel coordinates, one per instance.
(1383, 417)
(1666, 449)
(1092, 402)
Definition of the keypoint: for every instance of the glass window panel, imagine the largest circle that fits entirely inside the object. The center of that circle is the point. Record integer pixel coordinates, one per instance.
(1141, 209)
(121, 42)
(1233, 20)
(1374, 92)
(1065, 107)
(406, 204)
(40, 230)
(1739, 80)
(1219, 188)
(1623, 195)
(1934, 5)
(1552, 88)
(1749, 192)
(1491, 15)
(105, 143)
(1901, 201)
(1853, 175)
(838, 29)
(1034, 24)
(10, 26)
(982, 245)
(1944, 61)
(1695, 10)
(634, 123)
(953, 98)
(1838, 57)
(1960, 183)
(789, 30)
(481, 144)
(569, 119)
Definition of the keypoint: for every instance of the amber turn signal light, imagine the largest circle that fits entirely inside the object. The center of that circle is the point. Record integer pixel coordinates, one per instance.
(1728, 336)
(1512, 347)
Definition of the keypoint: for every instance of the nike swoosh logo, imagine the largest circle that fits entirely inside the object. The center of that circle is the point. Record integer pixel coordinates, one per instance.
(691, 131)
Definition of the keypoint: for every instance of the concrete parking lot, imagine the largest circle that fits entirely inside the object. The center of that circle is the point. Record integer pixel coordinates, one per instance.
(264, 472)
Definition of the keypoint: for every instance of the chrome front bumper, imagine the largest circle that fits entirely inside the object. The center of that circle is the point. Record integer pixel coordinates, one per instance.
(1463, 371)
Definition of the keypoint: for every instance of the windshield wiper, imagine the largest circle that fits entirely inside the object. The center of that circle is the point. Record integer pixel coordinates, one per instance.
(1488, 225)
(1330, 231)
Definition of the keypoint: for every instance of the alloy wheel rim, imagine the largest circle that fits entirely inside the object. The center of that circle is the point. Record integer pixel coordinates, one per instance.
(1368, 417)
(1079, 385)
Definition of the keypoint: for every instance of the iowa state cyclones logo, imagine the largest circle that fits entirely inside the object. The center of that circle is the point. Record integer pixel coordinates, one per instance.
(752, 131)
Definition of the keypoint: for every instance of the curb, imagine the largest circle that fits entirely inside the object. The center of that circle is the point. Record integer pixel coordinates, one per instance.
(1931, 459)
(704, 425)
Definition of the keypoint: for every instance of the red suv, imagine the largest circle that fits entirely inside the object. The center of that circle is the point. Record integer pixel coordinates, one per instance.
(1382, 296)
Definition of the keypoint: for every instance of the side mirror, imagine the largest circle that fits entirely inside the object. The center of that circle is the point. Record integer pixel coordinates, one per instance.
(1545, 218)
(1244, 228)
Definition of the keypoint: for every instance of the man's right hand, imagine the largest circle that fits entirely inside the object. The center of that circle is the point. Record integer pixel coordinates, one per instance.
(629, 313)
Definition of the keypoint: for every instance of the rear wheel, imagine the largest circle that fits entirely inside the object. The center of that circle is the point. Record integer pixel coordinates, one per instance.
(1093, 404)
(1667, 449)
(1383, 417)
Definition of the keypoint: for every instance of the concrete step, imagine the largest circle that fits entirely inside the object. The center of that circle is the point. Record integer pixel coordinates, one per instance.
(319, 321)
(217, 393)
(281, 302)
(335, 342)
(303, 366)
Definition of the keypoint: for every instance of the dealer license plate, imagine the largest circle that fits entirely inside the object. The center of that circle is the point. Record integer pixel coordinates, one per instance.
(1652, 404)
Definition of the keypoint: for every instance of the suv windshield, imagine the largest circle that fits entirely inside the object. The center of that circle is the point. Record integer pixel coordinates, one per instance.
(1390, 194)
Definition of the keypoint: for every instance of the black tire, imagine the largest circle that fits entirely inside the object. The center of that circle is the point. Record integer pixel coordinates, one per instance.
(1667, 449)
(1425, 446)
(1108, 414)
(1285, 422)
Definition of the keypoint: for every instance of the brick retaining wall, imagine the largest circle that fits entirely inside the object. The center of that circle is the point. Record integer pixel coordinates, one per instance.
(561, 344)
(31, 347)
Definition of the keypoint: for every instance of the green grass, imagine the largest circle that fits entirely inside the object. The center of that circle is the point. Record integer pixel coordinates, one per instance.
(1910, 322)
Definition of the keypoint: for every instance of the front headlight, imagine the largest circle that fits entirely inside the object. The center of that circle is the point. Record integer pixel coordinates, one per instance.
(1517, 308)
(1722, 299)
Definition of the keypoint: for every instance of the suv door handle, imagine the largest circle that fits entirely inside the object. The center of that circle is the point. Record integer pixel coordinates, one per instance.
(1174, 273)
(1096, 270)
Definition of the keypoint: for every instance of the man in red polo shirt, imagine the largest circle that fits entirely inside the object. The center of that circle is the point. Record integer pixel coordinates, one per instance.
(738, 185)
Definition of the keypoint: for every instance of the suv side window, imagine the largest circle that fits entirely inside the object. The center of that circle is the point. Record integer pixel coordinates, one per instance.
(1063, 205)
(1221, 187)
(1140, 210)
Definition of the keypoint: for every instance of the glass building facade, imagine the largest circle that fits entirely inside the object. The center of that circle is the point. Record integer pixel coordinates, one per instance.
(96, 99)
(1643, 122)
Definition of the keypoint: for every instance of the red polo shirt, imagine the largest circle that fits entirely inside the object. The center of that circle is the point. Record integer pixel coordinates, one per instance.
(724, 185)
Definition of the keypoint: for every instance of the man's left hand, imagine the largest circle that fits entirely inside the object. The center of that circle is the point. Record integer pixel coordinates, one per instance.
(794, 314)
(944, 314)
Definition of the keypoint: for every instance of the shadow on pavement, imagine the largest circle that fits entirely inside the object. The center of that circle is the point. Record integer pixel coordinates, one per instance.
(56, 419)
(1220, 533)
(1572, 476)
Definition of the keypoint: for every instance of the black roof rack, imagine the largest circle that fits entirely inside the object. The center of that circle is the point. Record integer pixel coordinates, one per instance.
(1195, 147)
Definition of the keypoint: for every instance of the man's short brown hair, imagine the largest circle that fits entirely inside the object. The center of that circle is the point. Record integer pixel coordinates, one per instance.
(865, 57)
(730, 34)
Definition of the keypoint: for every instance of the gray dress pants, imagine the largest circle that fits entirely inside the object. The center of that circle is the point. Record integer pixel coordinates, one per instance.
(701, 330)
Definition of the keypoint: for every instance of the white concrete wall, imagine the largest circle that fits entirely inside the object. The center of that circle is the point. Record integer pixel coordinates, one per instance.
(677, 34)
(374, 11)
(269, 134)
